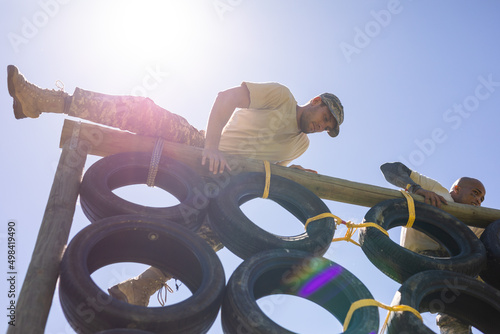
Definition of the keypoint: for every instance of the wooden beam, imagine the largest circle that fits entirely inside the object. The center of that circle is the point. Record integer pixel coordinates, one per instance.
(106, 141)
(37, 292)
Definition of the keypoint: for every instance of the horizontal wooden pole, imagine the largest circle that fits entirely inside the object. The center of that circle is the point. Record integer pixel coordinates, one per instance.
(106, 141)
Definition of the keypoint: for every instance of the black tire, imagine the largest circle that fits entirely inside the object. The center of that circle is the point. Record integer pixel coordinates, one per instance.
(123, 331)
(98, 200)
(457, 295)
(467, 254)
(282, 271)
(242, 237)
(170, 247)
(491, 241)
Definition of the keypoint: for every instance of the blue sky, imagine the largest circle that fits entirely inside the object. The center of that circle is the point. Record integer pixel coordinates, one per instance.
(419, 81)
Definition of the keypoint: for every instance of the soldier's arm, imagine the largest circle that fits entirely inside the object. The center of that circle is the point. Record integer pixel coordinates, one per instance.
(224, 106)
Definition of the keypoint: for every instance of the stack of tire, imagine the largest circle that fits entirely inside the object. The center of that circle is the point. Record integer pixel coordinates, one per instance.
(167, 238)
(435, 284)
(122, 231)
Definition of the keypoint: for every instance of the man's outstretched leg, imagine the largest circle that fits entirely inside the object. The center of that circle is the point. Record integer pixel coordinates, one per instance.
(132, 113)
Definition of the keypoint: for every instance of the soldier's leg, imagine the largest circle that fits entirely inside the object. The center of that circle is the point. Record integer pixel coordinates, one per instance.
(450, 325)
(135, 114)
(139, 289)
(132, 113)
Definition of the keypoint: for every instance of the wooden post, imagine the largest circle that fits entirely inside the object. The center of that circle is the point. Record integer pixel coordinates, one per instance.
(37, 292)
(106, 141)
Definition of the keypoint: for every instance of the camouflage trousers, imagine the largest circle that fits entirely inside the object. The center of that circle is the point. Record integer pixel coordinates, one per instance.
(447, 324)
(142, 116)
(135, 114)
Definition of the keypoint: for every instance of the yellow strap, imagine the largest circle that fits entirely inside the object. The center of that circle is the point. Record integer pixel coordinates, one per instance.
(267, 167)
(348, 236)
(411, 209)
(351, 227)
(377, 226)
(339, 221)
(321, 216)
(372, 302)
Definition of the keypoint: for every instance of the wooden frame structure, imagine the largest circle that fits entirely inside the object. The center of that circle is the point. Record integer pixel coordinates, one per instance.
(80, 139)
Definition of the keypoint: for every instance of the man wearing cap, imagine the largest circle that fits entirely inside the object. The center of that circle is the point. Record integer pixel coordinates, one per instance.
(268, 124)
(256, 120)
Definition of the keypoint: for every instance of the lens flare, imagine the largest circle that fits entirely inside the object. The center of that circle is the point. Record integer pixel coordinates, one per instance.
(319, 280)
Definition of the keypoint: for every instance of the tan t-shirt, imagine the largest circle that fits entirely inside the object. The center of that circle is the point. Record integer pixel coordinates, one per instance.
(417, 241)
(267, 129)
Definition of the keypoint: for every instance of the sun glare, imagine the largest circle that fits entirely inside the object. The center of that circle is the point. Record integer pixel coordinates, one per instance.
(155, 29)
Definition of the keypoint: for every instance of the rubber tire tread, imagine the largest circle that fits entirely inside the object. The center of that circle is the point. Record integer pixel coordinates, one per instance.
(287, 272)
(122, 169)
(468, 255)
(123, 331)
(131, 238)
(491, 241)
(457, 295)
(244, 238)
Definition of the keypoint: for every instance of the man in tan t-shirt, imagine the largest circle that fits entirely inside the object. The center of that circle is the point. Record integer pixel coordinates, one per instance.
(465, 190)
(263, 121)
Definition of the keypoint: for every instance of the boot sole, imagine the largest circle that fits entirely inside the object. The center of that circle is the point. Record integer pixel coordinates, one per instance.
(18, 109)
(117, 294)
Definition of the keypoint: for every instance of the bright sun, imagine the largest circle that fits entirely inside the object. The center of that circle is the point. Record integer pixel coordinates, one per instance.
(155, 28)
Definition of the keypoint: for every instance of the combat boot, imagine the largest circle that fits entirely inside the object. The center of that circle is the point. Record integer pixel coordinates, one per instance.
(31, 100)
(450, 325)
(138, 290)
